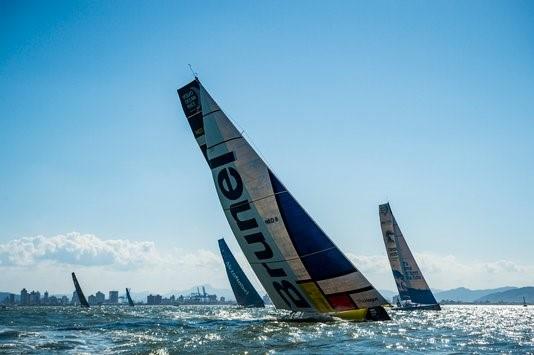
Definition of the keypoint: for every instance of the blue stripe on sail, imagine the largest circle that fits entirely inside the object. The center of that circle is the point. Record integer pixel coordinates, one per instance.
(308, 238)
(328, 264)
(244, 292)
(421, 296)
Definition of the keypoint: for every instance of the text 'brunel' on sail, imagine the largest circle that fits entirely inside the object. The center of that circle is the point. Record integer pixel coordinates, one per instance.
(245, 294)
(414, 292)
(298, 265)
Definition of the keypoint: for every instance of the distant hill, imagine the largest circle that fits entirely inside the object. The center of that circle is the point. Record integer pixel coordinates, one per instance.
(462, 294)
(510, 296)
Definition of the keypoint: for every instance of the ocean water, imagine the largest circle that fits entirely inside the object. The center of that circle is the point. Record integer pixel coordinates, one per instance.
(227, 329)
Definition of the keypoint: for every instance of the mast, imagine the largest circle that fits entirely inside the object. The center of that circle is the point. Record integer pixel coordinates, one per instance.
(130, 301)
(297, 263)
(81, 297)
(407, 274)
(244, 292)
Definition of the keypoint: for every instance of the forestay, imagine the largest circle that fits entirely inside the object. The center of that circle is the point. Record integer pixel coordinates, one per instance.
(298, 265)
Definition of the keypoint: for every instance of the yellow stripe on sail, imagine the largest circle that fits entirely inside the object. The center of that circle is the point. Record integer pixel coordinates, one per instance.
(314, 294)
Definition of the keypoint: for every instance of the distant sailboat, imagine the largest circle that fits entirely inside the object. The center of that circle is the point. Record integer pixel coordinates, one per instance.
(524, 302)
(244, 292)
(301, 269)
(130, 301)
(81, 297)
(414, 292)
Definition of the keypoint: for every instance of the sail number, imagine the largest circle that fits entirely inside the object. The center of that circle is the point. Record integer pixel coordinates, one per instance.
(271, 220)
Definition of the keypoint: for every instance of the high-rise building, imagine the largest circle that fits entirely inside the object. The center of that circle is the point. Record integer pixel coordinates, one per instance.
(100, 298)
(45, 298)
(11, 298)
(75, 300)
(24, 297)
(35, 298)
(153, 300)
(113, 297)
(64, 300)
(92, 300)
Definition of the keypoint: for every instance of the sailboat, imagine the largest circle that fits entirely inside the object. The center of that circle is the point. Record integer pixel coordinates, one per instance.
(81, 297)
(414, 292)
(244, 292)
(130, 301)
(524, 302)
(301, 269)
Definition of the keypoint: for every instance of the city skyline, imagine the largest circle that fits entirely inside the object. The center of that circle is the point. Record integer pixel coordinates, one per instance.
(419, 105)
(33, 298)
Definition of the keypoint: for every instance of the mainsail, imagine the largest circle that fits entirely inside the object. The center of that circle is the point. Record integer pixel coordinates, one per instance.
(244, 292)
(81, 297)
(298, 265)
(130, 301)
(408, 277)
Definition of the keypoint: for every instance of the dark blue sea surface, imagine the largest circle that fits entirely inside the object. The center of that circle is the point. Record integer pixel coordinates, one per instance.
(227, 329)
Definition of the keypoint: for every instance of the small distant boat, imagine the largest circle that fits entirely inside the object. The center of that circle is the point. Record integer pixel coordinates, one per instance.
(299, 266)
(245, 294)
(81, 297)
(130, 301)
(524, 302)
(414, 293)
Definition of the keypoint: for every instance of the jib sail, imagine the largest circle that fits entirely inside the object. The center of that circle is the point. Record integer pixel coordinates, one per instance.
(408, 277)
(81, 297)
(298, 265)
(244, 292)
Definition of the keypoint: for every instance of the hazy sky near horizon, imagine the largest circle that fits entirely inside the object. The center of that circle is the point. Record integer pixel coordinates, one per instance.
(427, 105)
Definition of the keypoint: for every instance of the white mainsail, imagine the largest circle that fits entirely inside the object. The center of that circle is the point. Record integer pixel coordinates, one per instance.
(298, 265)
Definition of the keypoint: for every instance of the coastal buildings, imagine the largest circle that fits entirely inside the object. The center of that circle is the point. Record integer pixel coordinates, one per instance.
(113, 297)
(100, 298)
(24, 297)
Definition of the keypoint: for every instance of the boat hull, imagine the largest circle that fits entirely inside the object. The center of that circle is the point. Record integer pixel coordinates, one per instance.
(424, 307)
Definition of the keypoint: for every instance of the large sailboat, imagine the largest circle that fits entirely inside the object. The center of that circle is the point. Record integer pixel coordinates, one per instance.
(79, 292)
(301, 269)
(414, 292)
(130, 301)
(244, 292)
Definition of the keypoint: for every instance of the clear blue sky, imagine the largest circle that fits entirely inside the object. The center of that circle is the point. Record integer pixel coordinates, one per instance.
(428, 105)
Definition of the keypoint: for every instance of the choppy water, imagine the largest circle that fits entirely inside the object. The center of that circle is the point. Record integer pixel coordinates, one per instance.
(216, 329)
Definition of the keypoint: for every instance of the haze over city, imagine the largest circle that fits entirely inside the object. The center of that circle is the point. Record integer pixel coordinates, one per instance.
(352, 106)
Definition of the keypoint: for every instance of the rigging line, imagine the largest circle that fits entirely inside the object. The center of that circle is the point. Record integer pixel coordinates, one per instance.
(195, 74)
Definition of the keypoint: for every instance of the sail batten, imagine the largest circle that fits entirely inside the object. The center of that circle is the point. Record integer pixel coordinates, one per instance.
(409, 279)
(296, 262)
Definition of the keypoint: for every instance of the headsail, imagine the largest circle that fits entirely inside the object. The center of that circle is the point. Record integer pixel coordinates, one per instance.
(244, 292)
(408, 277)
(298, 265)
(81, 297)
(130, 301)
